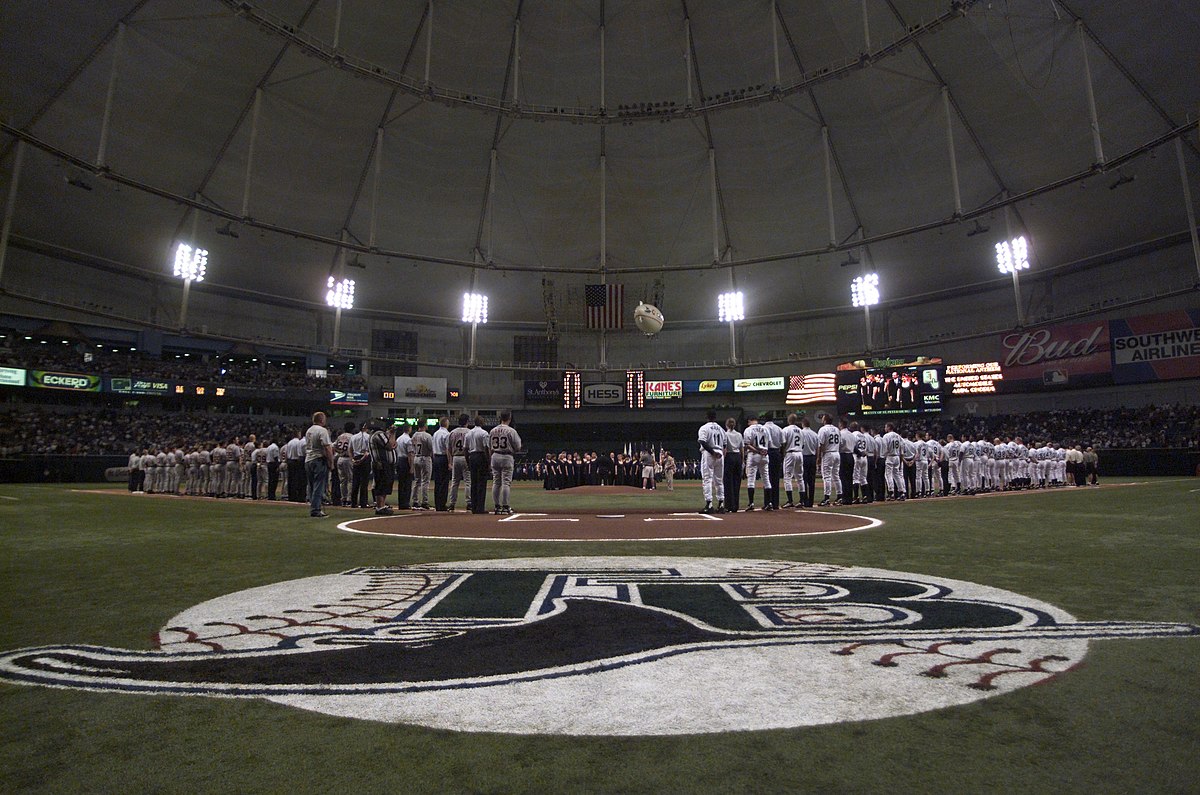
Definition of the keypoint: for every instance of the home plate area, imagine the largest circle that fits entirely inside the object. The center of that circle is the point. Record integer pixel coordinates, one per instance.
(590, 526)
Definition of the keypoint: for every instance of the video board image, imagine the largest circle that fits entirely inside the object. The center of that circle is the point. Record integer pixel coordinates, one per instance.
(911, 389)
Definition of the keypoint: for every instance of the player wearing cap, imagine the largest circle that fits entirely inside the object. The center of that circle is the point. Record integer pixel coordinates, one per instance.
(893, 469)
(845, 471)
(754, 446)
(504, 443)
(859, 483)
(441, 464)
(829, 442)
(793, 460)
(712, 450)
(457, 447)
(422, 452)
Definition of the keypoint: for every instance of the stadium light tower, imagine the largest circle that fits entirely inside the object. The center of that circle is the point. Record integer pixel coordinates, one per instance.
(191, 265)
(1012, 256)
(731, 307)
(475, 311)
(864, 292)
(339, 295)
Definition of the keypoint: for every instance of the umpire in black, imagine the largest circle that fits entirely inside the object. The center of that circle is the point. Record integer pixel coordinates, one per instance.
(733, 466)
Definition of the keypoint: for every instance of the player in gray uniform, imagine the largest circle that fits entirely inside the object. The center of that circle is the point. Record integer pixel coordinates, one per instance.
(754, 447)
(422, 452)
(216, 471)
(460, 473)
(829, 443)
(934, 449)
(712, 451)
(258, 460)
(160, 470)
(248, 487)
(968, 467)
(922, 471)
(504, 442)
(344, 463)
(793, 460)
(233, 468)
(808, 448)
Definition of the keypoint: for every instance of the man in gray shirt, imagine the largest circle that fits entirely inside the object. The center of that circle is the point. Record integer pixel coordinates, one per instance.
(318, 460)
(504, 442)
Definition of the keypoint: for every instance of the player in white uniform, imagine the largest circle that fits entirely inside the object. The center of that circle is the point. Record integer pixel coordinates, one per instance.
(829, 442)
(343, 463)
(893, 471)
(858, 477)
(936, 456)
(922, 468)
(793, 460)
(233, 468)
(712, 464)
(754, 450)
(968, 466)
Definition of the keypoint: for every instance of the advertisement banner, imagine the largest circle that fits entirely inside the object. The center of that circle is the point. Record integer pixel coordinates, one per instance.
(708, 386)
(12, 376)
(664, 390)
(603, 394)
(760, 384)
(977, 378)
(1159, 347)
(417, 391)
(1072, 355)
(339, 398)
(129, 385)
(77, 382)
(547, 392)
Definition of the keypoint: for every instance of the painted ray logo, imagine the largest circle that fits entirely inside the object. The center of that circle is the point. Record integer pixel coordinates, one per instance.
(600, 645)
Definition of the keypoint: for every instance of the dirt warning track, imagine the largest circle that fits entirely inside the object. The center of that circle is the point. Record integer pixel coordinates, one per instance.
(591, 526)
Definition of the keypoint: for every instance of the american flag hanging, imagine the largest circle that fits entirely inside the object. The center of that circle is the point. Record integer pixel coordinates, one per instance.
(816, 388)
(605, 305)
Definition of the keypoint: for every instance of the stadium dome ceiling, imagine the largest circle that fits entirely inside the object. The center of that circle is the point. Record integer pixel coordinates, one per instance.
(685, 145)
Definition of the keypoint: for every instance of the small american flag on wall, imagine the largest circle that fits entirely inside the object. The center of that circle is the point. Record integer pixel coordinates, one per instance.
(605, 305)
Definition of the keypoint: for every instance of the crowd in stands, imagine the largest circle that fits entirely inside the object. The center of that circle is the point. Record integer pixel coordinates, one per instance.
(39, 430)
(193, 368)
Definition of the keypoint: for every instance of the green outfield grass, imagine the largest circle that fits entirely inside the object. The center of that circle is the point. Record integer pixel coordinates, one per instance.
(108, 570)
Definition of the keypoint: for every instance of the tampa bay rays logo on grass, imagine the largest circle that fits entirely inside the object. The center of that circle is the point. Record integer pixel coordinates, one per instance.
(600, 645)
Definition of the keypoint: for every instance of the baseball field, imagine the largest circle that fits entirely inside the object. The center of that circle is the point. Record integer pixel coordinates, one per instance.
(1094, 688)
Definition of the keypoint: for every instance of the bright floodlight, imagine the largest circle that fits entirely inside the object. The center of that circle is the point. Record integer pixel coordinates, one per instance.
(191, 263)
(731, 307)
(340, 294)
(475, 308)
(864, 290)
(1012, 255)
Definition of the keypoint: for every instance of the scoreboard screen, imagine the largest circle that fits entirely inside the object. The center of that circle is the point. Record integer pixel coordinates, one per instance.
(906, 389)
(572, 389)
(635, 389)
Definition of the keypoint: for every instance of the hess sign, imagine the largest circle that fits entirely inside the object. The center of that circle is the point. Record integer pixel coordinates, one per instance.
(603, 394)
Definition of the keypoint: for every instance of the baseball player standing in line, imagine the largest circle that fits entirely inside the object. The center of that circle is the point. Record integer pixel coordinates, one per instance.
(360, 466)
(862, 441)
(457, 446)
(829, 443)
(846, 462)
(754, 446)
(734, 443)
(344, 463)
(441, 464)
(404, 468)
(808, 448)
(893, 469)
(422, 451)
(478, 448)
(793, 460)
(712, 451)
(504, 443)
(774, 438)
